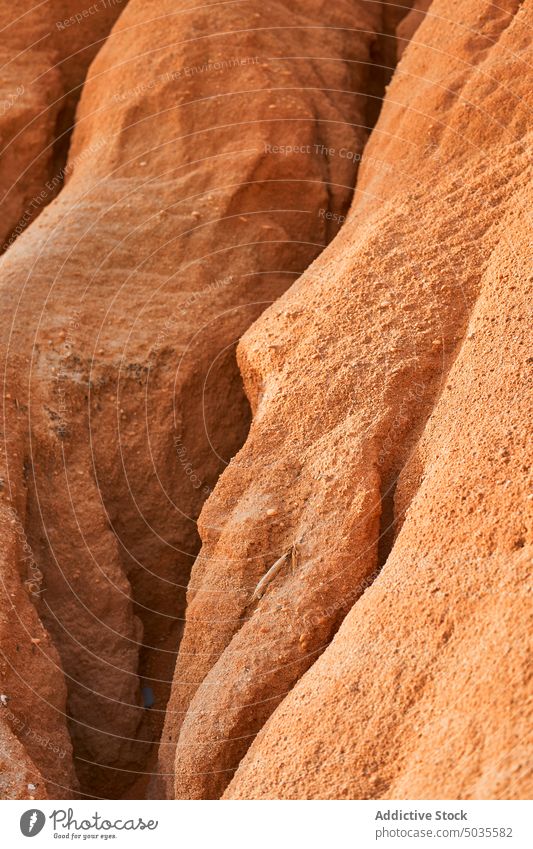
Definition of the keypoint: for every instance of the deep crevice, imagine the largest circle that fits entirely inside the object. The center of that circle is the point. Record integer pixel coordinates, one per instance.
(387, 523)
(383, 55)
(137, 787)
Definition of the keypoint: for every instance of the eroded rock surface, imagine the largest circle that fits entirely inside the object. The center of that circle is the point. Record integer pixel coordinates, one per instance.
(200, 189)
(357, 618)
(388, 459)
(409, 24)
(45, 51)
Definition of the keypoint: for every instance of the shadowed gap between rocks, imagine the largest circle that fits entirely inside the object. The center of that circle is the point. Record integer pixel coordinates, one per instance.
(383, 55)
(131, 779)
(384, 66)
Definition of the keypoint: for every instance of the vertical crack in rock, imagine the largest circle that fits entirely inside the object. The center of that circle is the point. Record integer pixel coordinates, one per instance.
(196, 197)
(214, 156)
(204, 644)
(45, 53)
(36, 748)
(342, 373)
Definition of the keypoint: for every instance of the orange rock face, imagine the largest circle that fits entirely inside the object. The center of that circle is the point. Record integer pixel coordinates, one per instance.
(45, 52)
(358, 514)
(375, 460)
(409, 24)
(199, 188)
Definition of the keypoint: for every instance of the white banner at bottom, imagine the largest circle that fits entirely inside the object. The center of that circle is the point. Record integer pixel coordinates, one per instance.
(269, 824)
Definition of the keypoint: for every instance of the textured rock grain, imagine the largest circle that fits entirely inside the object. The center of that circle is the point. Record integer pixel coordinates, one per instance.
(196, 197)
(376, 465)
(44, 55)
(389, 389)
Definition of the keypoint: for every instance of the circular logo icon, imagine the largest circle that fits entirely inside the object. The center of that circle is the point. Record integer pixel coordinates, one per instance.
(32, 822)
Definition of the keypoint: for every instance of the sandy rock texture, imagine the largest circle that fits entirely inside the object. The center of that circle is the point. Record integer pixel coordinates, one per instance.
(386, 472)
(19, 777)
(201, 184)
(45, 51)
(35, 745)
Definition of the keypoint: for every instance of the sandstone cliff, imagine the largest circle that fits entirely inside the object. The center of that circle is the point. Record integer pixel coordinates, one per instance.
(217, 356)
(388, 458)
(198, 190)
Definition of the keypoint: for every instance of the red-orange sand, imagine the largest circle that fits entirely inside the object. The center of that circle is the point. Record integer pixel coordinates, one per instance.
(218, 359)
